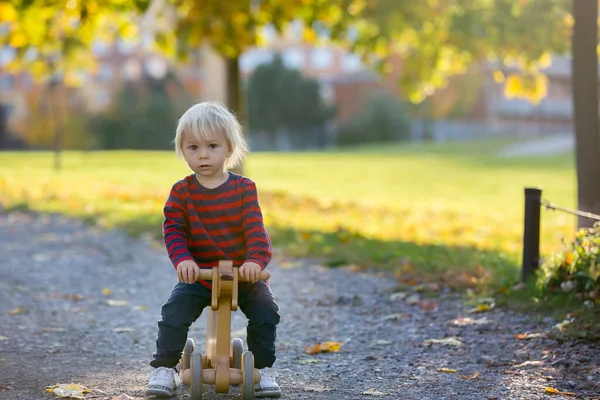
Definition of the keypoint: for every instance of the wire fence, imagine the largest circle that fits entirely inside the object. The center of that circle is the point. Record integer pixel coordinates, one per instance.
(552, 206)
(531, 228)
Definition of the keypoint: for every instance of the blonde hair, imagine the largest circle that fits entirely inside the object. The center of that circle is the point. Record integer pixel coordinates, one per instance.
(204, 120)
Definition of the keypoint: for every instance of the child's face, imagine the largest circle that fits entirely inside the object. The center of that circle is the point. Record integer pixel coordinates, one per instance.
(206, 157)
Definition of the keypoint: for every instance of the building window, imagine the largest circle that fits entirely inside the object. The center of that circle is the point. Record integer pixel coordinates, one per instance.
(253, 58)
(132, 70)
(102, 98)
(106, 73)
(6, 82)
(321, 58)
(351, 63)
(293, 58)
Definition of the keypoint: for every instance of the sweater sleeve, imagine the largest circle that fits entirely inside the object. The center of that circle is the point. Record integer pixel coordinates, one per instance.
(174, 227)
(258, 243)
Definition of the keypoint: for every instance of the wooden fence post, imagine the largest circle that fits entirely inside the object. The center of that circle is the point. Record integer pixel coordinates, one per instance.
(531, 232)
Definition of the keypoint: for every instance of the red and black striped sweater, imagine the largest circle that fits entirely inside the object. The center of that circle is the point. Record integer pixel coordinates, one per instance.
(208, 225)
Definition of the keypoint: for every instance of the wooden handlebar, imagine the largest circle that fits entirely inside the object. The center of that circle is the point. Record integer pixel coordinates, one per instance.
(207, 275)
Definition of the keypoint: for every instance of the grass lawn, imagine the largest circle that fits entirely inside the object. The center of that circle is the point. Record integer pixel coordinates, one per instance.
(448, 211)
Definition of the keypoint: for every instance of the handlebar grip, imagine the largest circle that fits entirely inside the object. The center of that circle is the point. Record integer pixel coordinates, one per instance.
(207, 274)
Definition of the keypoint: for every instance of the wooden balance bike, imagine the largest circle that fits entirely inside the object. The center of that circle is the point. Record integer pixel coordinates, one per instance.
(225, 362)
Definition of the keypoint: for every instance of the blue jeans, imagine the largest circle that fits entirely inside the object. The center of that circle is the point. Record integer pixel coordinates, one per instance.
(185, 306)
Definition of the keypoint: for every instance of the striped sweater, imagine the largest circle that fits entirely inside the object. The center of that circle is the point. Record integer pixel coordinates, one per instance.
(208, 225)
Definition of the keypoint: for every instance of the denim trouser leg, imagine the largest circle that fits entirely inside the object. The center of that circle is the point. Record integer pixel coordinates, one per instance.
(183, 308)
(258, 304)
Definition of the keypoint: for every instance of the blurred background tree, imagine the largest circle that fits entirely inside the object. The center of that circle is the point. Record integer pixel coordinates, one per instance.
(143, 116)
(435, 40)
(287, 106)
(384, 119)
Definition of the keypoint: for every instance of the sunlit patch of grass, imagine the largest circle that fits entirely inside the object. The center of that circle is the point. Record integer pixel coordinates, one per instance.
(449, 211)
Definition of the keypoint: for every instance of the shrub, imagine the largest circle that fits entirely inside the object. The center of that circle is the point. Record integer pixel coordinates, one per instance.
(383, 119)
(576, 269)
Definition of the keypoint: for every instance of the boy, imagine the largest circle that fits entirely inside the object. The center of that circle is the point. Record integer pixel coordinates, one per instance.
(214, 215)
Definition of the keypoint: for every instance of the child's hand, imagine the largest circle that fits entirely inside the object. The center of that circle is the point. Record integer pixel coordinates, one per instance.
(250, 272)
(188, 271)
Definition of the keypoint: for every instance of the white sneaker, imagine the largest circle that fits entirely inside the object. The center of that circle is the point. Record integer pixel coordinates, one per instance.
(163, 382)
(267, 387)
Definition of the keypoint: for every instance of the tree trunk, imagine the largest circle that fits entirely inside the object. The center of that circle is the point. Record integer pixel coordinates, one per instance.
(58, 109)
(584, 73)
(235, 101)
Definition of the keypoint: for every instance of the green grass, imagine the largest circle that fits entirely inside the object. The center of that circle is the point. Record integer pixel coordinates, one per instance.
(426, 211)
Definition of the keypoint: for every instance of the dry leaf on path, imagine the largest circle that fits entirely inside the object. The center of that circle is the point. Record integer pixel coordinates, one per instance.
(381, 343)
(481, 308)
(117, 303)
(470, 321)
(527, 336)
(449, 370)
(310, 361)
(551, 390)
(474, 376)
(445, 342)
(373, 392)
(52, 329)
(323, 347)
(398, 296)
(122, 396)
(16, 311)
(395, 317)
(121, 330)
(429, 305)
(68, 390)
(316, 388)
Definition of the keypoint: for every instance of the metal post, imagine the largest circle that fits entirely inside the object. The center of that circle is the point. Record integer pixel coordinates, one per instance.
(531, 232)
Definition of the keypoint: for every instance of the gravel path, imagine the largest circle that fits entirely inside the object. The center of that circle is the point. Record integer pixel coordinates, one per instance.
(59, 324)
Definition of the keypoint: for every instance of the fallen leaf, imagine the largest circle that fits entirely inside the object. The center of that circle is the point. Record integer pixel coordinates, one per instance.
(481, 308)
(398, 296)
(68, 390)
(16, 311)
(52, 329)
(395, 317)
(309, 361)
(116, 303)
(121, 330)
(471, 321)
(527, 336)
(551, 390)
(445, 342)
(106, 291)
(449, 370)
(381, 343)
(474, 376)
(534, 363)
(569, 394)
(122, 396)
(323, 347)
(316, 388)
(428, 305)
(373, 392)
